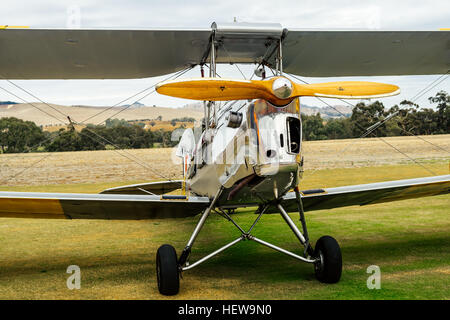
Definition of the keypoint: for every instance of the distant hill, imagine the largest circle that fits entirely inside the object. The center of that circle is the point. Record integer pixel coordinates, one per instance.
(325, 112)
(136, 111)
(79, 113)
(7, 102)
(135, 105)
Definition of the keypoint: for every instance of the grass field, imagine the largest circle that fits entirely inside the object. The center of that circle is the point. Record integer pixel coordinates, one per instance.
(409, 240)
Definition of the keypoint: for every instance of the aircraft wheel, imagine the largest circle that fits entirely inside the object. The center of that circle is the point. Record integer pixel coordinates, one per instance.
(167, 272)
(329, 267)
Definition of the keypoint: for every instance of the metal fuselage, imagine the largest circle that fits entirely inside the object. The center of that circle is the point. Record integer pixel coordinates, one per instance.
(256, 160)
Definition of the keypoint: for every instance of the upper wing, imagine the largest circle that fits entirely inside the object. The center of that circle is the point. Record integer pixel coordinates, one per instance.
(98, 54)
(369, 193)
(366, 53)
(98, 206)
(122, 54)
(159, 187)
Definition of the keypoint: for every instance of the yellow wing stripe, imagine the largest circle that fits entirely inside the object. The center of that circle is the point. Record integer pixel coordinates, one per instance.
(31, 208)
(13, 27)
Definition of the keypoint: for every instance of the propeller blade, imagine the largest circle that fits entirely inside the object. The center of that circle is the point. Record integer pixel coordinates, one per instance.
(278, 90)
(347, 90)
(215, 89)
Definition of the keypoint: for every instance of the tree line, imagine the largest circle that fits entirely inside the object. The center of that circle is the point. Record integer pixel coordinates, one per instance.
(400, 120)
(17, 135)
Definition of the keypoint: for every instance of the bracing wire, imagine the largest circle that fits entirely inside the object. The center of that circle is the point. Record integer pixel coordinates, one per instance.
(99, 138)
(372, 130)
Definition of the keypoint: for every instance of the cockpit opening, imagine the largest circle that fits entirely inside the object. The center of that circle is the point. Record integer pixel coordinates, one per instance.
(294, 134)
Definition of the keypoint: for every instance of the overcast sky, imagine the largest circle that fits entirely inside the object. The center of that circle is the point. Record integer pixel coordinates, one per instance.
(383, 14)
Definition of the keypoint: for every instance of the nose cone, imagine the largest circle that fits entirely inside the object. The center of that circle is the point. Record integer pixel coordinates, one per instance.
(282, 88)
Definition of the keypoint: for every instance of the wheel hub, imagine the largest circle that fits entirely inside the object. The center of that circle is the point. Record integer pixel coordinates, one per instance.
(318, 265)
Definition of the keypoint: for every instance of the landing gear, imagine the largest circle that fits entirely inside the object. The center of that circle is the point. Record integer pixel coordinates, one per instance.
(326, 257)
(167, 272)
(328, 267)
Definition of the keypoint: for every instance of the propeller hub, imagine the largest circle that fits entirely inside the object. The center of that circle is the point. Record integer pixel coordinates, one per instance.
(282, 88)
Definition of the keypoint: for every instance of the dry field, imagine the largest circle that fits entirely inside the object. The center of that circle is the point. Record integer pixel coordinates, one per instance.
(81, 113)
(158, 125)
(167, 125)
(111, 166)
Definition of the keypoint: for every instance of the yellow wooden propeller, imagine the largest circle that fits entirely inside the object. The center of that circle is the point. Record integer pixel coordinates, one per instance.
(277, 90)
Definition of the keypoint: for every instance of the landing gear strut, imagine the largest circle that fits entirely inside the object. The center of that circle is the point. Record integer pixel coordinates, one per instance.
(326, 257)
(328, 264)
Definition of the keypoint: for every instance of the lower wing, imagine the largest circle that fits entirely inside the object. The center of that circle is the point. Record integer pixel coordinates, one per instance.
(98, 206)
(136, 207)
(365, 194)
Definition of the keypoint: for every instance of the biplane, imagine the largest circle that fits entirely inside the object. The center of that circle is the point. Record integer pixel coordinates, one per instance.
(248, 151)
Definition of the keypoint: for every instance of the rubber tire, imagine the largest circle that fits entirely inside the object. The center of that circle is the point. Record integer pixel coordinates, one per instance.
(331, 270)
(167, 273)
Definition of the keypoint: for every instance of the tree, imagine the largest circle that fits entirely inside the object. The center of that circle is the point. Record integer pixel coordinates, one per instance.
(121, 137)
(111, 123)
(184, 119)
(443, 113)
(67, 140)
(17, 135)
(411, 119)
(313, 128)
(95, 137)
(338, 128)
(365, 116)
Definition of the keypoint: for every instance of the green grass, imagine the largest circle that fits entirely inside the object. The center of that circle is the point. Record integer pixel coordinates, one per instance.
(409, 240)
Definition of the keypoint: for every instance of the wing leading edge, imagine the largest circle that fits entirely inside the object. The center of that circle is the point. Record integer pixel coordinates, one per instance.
(369, 193)
(98, 206)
